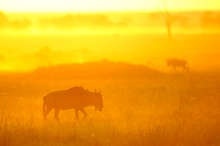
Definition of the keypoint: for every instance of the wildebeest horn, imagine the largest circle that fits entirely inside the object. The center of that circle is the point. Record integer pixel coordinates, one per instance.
(99, 91)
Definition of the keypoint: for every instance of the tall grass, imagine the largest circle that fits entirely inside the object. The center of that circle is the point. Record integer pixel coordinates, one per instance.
(173, 110)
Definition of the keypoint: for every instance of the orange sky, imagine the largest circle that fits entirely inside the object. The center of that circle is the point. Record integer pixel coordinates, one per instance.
(104, 5)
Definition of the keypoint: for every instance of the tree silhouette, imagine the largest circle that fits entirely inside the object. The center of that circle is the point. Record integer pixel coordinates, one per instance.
(183, 21)
(210, 20)
(70, 21)
(43, 55)
(3, 20)
(20, 24)
(2, 58)
(169, 19)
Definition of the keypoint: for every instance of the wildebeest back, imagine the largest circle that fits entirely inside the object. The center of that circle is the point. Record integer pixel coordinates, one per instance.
(66, 99)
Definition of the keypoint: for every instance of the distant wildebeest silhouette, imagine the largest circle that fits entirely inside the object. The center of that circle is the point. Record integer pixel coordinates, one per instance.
(175, 63)
(74, 98)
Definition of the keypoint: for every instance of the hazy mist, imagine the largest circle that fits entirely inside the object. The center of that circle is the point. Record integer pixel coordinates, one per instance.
(33, 40)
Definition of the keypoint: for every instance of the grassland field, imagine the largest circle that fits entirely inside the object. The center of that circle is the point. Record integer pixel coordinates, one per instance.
(173, 110)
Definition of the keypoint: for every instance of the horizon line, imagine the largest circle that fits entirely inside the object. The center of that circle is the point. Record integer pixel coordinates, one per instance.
(111, 11)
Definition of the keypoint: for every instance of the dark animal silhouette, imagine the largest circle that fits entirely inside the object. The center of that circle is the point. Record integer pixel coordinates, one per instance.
(175, 63)
(74, 98)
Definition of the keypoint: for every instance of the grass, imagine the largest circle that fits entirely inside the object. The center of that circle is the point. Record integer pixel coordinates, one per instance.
(172, 110)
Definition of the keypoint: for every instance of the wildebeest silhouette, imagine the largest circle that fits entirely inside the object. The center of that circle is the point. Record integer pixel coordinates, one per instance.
(175, 63)
(74, 98)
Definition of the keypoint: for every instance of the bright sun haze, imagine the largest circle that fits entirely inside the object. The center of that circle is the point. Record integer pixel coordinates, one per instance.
(39, 33)
(117, 72)
(104, 5)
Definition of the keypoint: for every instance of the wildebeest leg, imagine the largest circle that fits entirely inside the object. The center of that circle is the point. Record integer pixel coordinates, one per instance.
(56, 114)
(77, 114)
(84, 112)
(46, 112)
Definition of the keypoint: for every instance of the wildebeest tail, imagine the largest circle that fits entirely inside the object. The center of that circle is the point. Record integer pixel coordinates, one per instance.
(44, 108)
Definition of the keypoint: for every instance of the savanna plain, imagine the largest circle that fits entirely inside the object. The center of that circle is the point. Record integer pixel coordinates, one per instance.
(173, 109)
(144, 101)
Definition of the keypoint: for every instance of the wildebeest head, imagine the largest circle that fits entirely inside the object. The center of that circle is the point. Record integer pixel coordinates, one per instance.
(98, 101)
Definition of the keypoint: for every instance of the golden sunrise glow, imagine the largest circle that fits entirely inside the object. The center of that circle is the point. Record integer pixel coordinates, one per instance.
(84, 30)
(104, 5)
(134, 72)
